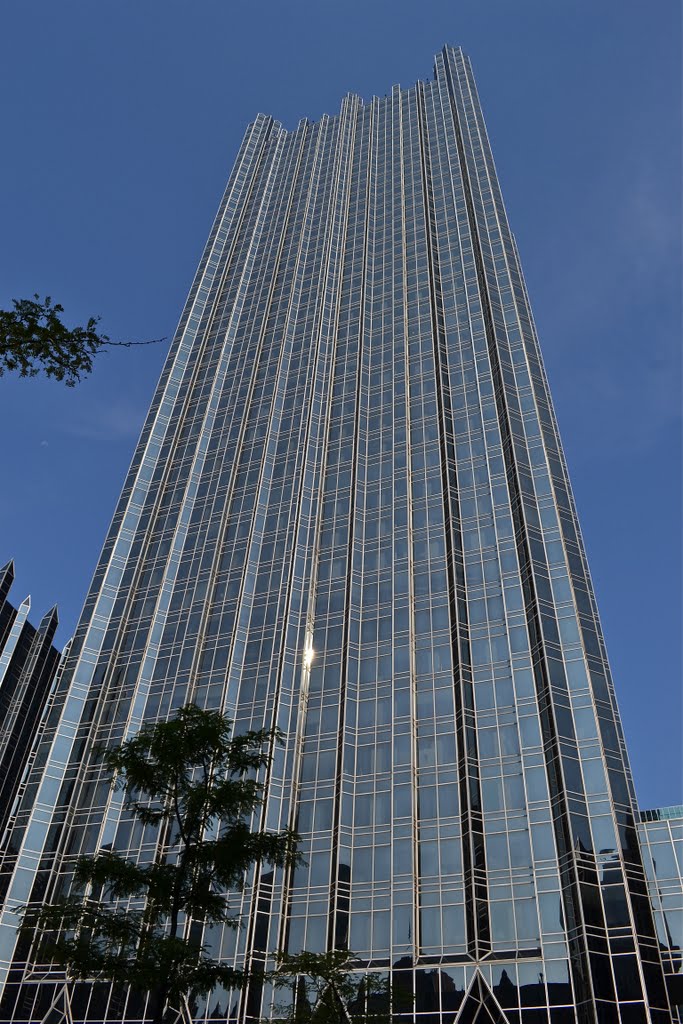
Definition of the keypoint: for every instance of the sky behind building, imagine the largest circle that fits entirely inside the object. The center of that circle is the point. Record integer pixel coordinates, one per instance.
(124, 123)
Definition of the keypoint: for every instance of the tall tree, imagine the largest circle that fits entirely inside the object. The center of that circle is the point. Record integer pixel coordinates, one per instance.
(195, 785)
(34, 338)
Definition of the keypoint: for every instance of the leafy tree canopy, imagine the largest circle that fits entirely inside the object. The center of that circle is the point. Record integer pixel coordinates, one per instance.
(195, 786)
(33, 338)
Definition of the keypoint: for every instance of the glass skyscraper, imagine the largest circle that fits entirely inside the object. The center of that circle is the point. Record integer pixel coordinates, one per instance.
(349, 516)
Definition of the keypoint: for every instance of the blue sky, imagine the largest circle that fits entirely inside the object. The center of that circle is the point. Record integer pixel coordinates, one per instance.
(121, 122)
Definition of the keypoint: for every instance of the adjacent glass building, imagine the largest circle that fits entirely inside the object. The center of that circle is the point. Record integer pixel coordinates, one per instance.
(349, 516)
(661, 836)
(28, 664)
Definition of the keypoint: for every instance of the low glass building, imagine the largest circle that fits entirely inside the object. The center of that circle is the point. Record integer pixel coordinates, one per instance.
(661, 838)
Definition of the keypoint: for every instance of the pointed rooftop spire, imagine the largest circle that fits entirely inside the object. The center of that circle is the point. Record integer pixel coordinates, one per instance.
(6, 578)
(49, 623)
(52, 613)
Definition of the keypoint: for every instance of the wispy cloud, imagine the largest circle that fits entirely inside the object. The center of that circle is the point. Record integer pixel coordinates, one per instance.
(115, 420)
(616, 318)
(649, 227)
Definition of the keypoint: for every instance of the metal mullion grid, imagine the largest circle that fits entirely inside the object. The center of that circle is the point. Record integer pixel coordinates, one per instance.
(208, 258)
(407, 139)
(112, 816)
(308, 521)
(261, 295)
(246, 601)
(152, 536)
(349, 684)
(383, 351)
(605, 700)
(341, 373)
(187, 551)
(375, 400)
(412, 161)
(286, 364)
(216, 382)
(295, 448)
(494, 520)
(322, 194)
(435, 375)
(204, 557)
(315, 422)
(585, 978)
(474, 854)
(618, 773)
(562, 830)
(504, 232)
(288, 204)
(275, 403)
(236, 255)
(116, 550)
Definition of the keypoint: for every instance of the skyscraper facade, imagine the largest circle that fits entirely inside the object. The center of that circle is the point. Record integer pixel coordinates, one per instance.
(349, 516)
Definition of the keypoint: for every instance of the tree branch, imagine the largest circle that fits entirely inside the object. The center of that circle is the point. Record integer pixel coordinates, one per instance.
(131, 344)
